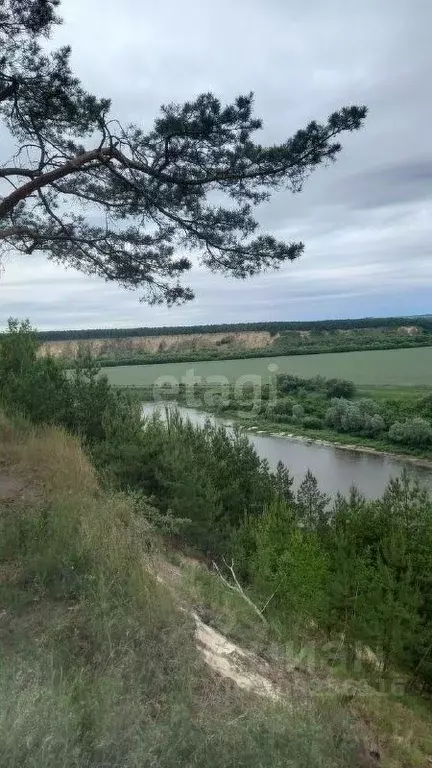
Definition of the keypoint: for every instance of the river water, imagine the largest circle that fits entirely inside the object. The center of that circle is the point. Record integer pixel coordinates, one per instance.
(336, 469)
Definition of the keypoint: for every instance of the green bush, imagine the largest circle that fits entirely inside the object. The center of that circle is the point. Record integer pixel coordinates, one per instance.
(352, 420)
(280, 418)
(282, 407)
(313, 422)
(335, 412)
(289, 564)
(367, 406)
(298, 412)
(424, 406)
(416, 433)
(339, 388)
(360, 417)
(375, 425)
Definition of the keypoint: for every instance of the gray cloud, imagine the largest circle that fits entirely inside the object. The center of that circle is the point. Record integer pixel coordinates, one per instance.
(403, 182)
(366, 220)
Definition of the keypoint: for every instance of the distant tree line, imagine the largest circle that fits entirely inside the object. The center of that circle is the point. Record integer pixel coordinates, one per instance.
(421, 322)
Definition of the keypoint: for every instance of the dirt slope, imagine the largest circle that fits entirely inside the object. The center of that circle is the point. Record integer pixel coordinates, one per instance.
(127, 346)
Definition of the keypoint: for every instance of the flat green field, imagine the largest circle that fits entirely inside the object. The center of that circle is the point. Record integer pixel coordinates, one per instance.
(390, 367)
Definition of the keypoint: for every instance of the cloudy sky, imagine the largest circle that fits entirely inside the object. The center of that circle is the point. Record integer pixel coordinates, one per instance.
(366, 221)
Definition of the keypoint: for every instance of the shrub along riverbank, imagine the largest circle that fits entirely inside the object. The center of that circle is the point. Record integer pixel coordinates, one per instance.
(359, 571)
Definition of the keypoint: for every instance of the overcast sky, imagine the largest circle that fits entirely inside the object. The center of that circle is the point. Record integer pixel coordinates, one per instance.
(366, 221)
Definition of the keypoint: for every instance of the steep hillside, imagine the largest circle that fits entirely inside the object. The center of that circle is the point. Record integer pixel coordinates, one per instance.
(113, 656)
(100, 666)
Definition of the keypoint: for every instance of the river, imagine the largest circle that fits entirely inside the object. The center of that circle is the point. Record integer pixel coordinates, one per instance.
(336, 469)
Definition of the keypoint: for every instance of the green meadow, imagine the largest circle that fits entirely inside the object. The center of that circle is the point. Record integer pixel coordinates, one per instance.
(410, 367)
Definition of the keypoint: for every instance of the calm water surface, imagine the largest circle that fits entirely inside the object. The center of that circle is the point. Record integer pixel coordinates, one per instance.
(336, 469)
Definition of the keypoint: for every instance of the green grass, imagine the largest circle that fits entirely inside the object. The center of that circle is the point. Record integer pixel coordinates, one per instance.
(391, 392)
(393, 367)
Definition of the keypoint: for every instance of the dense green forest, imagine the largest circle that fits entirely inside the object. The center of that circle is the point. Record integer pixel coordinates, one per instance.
(422, 321)
(357, 569)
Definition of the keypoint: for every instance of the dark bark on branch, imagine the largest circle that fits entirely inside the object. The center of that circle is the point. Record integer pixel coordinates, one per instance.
(6, 172)
(8, 203)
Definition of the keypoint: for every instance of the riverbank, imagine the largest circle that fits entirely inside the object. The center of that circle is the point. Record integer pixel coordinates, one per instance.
(419, 461)
(350, 443)
(336, 471)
